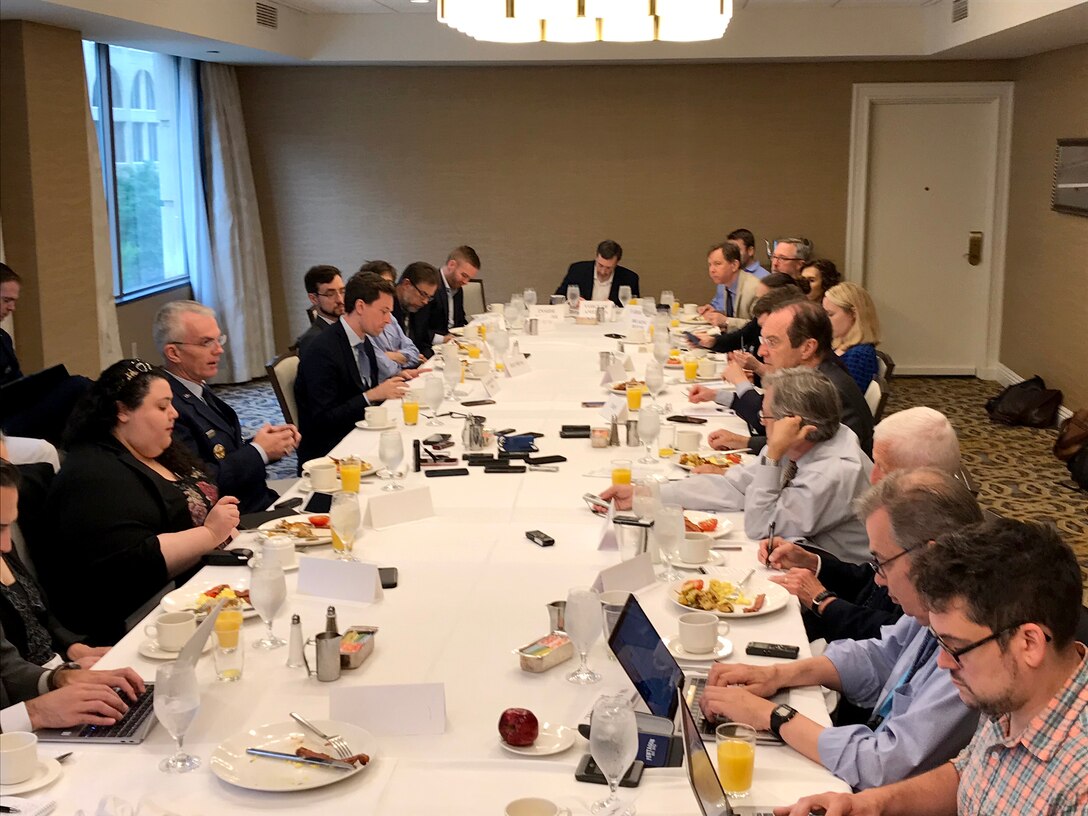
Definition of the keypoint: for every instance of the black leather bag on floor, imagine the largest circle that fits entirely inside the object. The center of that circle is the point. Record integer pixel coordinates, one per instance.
(1028, 403)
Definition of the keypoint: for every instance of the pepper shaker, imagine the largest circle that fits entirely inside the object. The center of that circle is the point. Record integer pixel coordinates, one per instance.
(330, 621)
(294, 648)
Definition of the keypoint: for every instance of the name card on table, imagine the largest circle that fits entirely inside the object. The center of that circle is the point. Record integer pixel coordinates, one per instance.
(588, 308)
(344, 580)
(615, 373)
(516, 365)
(409, 709)
(615, 405)
(388, 509)
(491, 383)
(638, 324)
(627, 575)
(607, 539)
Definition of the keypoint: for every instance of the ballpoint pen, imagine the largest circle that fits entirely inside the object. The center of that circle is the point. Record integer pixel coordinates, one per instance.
(770, 543)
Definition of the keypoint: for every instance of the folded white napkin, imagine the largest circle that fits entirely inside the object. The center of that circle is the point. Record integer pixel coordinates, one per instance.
(115, 806)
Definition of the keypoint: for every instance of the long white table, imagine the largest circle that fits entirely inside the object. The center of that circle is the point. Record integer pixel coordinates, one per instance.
(472, 589)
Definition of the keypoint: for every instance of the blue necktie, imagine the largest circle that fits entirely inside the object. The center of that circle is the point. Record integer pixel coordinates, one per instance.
(364, 364)
(729, 302)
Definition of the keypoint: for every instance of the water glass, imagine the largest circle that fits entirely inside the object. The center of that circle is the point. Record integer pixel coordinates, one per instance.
(583, 620)
(662, 346)
(267, 592)
(612, 604)
(649, 308)
(624, 295)
(391, 452)
(667, 298)
(649, 426)
(500, 343)
(613, 743)
(177, 700)
(529, 295)
(574, 294)
(669, 533)
(451, 375)
(228, 654)
(344, 519)
(434, 392)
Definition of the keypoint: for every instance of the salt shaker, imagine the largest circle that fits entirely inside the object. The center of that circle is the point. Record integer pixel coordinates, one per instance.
(294, 647)
(614, 433)
(330, 621)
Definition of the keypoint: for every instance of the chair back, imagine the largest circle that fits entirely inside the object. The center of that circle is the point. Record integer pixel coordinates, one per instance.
(475, 302)
(885, 365)
(311, 313)
(873, 396)
(282, 372)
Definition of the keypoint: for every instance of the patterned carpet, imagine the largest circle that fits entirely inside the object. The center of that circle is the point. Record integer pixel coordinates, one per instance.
(1017, 474)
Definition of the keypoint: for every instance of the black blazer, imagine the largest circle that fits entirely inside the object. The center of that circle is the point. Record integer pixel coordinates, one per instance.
(205, 428)
(329, 392)
(435, 315)
(316, 327)
(415, 327)
(746, 338)
(9, 363)
(861, 608)
(15, 625)
(580, 274)
(108, 510)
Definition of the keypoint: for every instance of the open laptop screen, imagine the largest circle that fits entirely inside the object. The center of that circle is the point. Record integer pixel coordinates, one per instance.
(701, 771)
(640, 651)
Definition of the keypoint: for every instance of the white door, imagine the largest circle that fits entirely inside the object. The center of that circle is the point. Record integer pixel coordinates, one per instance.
(933, 177)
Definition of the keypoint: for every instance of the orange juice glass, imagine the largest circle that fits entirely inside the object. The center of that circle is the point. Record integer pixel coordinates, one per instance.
(228, 625)
(351, 469)
(410, 407)
(621, 471)
(634, 397)
(736, 757)
(691, 369)
(474, 351)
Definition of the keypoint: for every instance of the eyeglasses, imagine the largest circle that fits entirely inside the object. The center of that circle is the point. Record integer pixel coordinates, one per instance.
(783, 258)
(956, 654)
(770, 342)
(422, 294)
(207, 343)
(879, 567)
(332, 293)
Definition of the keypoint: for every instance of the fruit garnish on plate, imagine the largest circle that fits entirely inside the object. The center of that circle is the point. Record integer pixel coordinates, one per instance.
(518, 727)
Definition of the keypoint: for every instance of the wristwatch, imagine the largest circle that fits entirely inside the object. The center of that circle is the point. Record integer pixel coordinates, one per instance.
(52, 681)
(819, 599)
(781, 715)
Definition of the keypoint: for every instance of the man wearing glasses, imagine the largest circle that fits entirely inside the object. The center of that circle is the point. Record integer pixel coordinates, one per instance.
(1004, 600)
(918, 720)
(790, 256)
(325, 289)
(418, 286)
(187, 336)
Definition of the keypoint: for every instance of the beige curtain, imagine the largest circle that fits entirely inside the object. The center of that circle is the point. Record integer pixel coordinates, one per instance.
(236, 285)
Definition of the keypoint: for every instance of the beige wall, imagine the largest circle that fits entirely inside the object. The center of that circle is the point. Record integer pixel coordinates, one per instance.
(534, 165)
(45, 196)
(1045, 324)
(134, 321)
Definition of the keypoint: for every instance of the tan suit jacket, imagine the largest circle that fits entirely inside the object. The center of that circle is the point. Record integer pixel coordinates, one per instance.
(746, 297)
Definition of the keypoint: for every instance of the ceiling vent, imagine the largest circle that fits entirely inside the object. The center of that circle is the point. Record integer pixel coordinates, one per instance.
(268, 15)
(959, 10)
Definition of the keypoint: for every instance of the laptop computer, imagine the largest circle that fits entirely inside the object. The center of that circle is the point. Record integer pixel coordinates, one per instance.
(656, 675)
(131, 729)
(702, 775)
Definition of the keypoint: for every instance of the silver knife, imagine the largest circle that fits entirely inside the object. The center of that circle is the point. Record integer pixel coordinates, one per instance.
(325, 763)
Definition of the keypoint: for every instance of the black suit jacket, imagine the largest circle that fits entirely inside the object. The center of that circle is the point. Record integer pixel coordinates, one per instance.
(18, 678)
(436, 314)
(319, 325)
(204, 428)
(9, 363)
(861, 608)
(329, 392)
(415, 326)
(580, 274)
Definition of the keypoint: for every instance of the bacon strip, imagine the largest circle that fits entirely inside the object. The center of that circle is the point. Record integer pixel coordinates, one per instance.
(355, 759)
(757, 605)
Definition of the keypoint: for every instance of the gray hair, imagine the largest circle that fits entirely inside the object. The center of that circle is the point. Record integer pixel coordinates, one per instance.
(802, 247)
(167, 324)
(918, 437)
(805, 392)
(922, 504)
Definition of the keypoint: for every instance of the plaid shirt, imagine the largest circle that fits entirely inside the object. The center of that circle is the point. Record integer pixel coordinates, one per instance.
(1042, 771)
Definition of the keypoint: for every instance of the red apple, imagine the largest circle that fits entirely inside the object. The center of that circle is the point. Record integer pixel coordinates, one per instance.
(518, 726)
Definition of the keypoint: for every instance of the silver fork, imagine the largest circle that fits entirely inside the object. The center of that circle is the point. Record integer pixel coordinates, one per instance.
(335, 740)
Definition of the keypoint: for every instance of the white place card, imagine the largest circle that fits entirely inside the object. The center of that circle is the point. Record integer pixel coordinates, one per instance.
(638, 322)
(409, 709)
(516, 365)
(607, 540)
(355, 581)
(627, 575)
(491, 383)
(388, 509)
(615, 405)
(617, 373)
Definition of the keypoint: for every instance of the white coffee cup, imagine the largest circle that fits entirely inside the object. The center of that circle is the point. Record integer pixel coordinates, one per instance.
(534, 806)
(699, 631)
(691, 308)
(172, 630)
(497, 308)
(695, 548)
(479, 368)
(18, 757)
(707, 367)
(322, 473)
(280, 548)
(377, 416)
(687, 440)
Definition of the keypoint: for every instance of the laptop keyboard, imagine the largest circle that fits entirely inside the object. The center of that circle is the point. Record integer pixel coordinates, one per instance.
(139, 711)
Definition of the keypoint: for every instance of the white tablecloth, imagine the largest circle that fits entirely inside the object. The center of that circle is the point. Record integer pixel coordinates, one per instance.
(472, 589)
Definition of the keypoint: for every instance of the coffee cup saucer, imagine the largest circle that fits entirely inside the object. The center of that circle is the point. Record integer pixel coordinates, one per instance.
(151, 649)
(713, 559)
(47, 772)
(722, 649)
(363, 425)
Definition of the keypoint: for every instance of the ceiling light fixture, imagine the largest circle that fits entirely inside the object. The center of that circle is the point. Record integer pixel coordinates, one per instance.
(525, 21)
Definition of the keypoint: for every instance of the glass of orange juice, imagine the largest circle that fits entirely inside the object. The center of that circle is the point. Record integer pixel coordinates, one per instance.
(229, 654)
(621, 471)
(634, 397)
(410, 407)
(736, 757)
(474, 352)
(351, 469)
(691, 369)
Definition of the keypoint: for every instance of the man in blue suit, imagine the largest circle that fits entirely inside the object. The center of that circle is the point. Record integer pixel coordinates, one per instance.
(190, 342)
(601, 279)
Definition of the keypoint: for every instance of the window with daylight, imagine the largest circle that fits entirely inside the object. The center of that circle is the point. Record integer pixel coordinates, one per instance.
(134, 116)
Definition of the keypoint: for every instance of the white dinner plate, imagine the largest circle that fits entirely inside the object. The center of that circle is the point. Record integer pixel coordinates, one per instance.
(363, 425)
(711, 378)
(777, 596)
(552, 739)
(721, 650)
(323, 535)
(725, 526)
(694, 320)
(706, 455)
(151, 649)
(184, 598)
(713, 559)
(47, 772)
(232, 764)
(457, 331)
